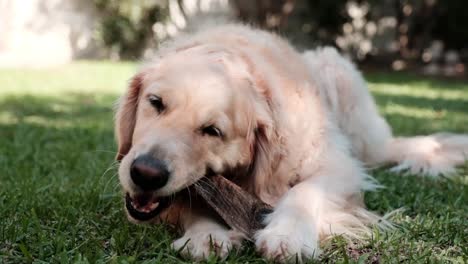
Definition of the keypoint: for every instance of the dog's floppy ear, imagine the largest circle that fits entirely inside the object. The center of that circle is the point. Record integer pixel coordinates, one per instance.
(262, 154)
(126, 115)
(266, 150)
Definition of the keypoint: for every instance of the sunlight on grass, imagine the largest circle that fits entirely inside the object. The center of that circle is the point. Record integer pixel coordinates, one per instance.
(420, 90)
(414, 112)
(80, 77)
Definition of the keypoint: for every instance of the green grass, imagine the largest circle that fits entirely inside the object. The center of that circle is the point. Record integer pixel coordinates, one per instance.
(60, 200)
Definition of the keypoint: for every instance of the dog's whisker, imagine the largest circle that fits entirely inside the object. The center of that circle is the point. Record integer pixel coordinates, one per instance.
(189, 195)
(109, 182)
(104, 151)
(109, 168)
(207, 184)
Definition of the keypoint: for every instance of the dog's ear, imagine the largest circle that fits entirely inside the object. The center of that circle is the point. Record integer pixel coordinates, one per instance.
(262, 151)
(126, 115)
(266, 152)
(265, 143)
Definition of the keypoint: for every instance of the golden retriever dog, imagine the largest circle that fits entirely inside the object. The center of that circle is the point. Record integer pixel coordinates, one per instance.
(296, 130)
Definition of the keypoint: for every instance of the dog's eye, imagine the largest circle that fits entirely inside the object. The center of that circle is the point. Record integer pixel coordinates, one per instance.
(156, 102)
(212, 131)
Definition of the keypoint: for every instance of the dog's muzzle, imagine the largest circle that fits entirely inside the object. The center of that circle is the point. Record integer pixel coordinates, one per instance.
(148, 174)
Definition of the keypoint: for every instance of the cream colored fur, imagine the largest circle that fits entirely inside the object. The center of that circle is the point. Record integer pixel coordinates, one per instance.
(305, 123)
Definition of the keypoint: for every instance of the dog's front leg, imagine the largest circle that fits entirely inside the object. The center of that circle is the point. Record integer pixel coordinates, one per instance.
(203, 235)
(291, 230)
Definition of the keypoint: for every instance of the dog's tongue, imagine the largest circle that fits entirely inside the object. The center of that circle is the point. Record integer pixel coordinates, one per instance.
(145, 203)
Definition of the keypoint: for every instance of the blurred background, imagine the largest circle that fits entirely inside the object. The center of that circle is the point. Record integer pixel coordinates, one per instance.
(427, 36)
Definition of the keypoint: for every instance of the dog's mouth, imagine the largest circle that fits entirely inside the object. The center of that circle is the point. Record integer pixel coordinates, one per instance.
(146, 206)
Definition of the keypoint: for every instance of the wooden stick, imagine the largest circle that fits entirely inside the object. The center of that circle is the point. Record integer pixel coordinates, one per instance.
(240, 209)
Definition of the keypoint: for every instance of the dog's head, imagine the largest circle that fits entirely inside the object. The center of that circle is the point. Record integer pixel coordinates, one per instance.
(184, 116)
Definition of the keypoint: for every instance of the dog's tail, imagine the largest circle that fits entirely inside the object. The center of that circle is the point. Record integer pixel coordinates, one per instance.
(432, 155)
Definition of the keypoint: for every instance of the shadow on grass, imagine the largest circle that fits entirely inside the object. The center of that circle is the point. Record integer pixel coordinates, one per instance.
(55, 138)
(59, 128)
(69, 107)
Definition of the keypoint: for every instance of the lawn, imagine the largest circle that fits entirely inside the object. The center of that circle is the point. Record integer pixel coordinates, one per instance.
(60, 200)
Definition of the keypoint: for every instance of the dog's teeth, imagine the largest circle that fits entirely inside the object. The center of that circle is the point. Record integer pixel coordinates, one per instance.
(154, 205)
(148, 208)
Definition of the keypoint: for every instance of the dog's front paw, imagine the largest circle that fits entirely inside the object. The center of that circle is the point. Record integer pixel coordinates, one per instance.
(200, 244)
(287, 239)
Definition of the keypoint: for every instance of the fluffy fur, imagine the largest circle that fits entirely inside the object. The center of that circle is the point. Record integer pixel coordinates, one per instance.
(302, 126)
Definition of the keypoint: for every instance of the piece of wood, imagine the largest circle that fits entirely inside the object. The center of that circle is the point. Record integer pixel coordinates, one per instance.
(239, 209)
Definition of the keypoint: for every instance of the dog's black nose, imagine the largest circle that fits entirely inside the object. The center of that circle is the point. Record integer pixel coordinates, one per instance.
(148, 173)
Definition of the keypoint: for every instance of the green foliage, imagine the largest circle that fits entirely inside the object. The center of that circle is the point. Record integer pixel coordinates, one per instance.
(126, 26)
(60, 200)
